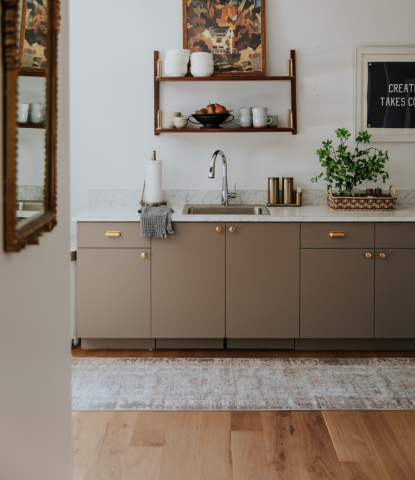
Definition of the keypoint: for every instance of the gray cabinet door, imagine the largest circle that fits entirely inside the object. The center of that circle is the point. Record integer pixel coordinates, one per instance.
(262, 280)
(188, 282)
(395, 293)
(337, 291)
(113, 293)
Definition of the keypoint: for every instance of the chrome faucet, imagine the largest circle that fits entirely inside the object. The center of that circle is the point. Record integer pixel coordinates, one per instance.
(225, 194)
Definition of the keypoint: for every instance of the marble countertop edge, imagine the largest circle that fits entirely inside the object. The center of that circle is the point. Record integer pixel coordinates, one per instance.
(309, 213)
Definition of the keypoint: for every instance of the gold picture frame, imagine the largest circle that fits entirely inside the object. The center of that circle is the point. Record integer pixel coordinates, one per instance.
(17, 238)
(238, 56)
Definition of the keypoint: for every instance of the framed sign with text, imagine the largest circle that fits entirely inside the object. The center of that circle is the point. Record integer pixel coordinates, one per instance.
(385, 93)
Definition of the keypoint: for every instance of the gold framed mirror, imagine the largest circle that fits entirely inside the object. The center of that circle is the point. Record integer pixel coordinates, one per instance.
(30, 30)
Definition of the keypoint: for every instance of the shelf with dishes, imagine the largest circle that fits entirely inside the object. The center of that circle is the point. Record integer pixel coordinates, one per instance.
(200, 73)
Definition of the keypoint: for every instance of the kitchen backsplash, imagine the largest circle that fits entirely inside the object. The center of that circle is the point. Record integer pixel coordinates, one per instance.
(179, 197)
(30, 193)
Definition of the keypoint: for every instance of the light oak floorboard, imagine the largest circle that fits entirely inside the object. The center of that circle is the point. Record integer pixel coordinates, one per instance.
(347, 437)
(82, 423)
(142, 463)
(91, 451)
(246, 422)
(352, 450)
(179, 458)
(318, 449)
(214, 452)
(361, 471)
(113, 448)
(284, 454)
(390, 457)
(403, 424)
(249, 456)
(150, 429)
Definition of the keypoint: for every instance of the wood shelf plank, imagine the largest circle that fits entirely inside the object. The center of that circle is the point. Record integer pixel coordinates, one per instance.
(224, 79)
(31, 125)
(226, 130)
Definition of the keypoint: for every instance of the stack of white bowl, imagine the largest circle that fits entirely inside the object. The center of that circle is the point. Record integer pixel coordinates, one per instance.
(201, 64)
(176, 63)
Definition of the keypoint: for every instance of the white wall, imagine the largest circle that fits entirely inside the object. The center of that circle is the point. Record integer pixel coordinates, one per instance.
(35, 392)
(112, 93)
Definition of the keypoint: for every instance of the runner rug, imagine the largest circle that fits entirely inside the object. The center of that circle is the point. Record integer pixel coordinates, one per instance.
(242, 384)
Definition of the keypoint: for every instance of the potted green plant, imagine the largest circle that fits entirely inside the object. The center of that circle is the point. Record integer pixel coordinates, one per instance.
(344, 169)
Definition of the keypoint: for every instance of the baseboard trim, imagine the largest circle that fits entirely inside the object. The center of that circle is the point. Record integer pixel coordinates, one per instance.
(190, 343)
(117, 343)
(355, 344)
(260, 343)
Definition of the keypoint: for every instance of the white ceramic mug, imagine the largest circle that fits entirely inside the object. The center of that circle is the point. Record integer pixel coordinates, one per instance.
(37, 113)
(22, 112)
(260, 117)
(245, 117)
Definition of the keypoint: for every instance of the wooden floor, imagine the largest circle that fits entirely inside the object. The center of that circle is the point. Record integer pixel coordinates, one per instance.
(79, 352)
(296, 445)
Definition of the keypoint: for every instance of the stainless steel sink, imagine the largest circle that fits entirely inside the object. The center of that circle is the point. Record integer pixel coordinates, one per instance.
(231, 210)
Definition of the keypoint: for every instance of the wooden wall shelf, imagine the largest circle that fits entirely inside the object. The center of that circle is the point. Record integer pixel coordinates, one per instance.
(226, 78)
(31, 125)
(225, 130)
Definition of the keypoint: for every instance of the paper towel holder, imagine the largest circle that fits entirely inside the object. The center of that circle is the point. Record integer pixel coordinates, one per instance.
(142, 202)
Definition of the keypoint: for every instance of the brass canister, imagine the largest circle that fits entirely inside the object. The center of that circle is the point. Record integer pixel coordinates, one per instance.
(273, 190)
(287, 190)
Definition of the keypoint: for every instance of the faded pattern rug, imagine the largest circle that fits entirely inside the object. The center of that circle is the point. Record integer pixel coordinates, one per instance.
(242, 384)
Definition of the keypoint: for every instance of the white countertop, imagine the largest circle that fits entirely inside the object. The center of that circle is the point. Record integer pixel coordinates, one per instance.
(309, 213)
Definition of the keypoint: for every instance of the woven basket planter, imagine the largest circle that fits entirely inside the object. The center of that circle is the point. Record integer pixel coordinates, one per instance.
(384, 202)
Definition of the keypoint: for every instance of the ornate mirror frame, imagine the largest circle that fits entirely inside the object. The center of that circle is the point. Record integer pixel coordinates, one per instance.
(17, 238)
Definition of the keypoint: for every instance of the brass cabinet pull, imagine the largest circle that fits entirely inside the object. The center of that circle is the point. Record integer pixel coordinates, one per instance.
(113, 234)
(337, 234)
(143, 255)
(368, 255)
(382, 255)
(218, 229)
(232, 229)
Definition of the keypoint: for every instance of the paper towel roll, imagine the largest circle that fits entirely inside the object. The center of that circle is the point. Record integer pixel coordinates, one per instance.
(154, 182)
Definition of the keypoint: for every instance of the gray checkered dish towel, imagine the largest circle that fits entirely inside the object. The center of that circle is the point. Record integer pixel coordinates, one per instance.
(156, 221)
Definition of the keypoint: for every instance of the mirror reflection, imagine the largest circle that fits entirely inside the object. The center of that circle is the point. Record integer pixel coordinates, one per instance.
(31, 147)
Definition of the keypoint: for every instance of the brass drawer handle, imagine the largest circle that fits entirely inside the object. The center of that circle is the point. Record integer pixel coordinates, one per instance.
(232, 229)
(143, 255)
(113, 234)
(382, 255)
(368, 255)
(218, 229)
(337, 234)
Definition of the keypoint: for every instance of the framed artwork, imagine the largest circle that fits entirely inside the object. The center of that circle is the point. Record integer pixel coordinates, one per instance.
(33, 31)
(385, 93)
(232, 30)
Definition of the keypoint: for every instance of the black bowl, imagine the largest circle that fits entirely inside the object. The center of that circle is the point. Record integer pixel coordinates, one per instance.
(213, 120)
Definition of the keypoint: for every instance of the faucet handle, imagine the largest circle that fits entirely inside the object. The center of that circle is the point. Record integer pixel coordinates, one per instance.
(232, 194)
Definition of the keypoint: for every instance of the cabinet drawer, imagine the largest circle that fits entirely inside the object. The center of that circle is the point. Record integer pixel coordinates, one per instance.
(357, 235)
(395, 235)
(92, 235)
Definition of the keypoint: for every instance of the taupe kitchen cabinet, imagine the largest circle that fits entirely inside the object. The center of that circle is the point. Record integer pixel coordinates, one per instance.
(395, 280)
(262, 280)
(188, 282)
(113, 283)
(337, 282)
